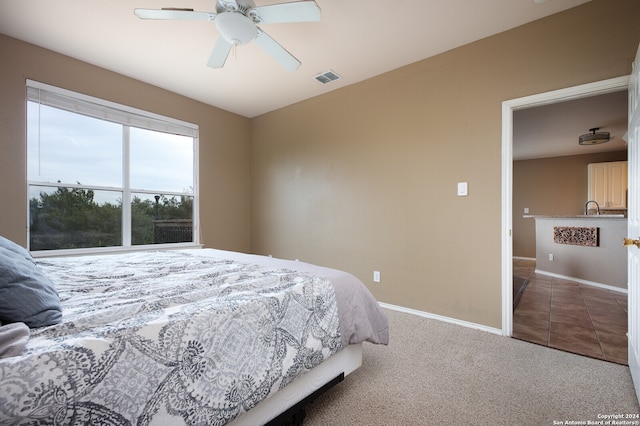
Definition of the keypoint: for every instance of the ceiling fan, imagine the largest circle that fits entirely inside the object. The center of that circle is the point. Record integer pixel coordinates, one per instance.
(237, 21)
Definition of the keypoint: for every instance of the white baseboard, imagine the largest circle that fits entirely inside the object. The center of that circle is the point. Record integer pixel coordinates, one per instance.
(581, 281)
(524, 258)
(443, 318)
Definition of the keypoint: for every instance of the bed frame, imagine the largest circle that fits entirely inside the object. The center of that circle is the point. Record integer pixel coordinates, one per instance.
(290, 401)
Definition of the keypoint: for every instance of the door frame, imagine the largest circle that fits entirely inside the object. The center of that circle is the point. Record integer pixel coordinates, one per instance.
(555, 96)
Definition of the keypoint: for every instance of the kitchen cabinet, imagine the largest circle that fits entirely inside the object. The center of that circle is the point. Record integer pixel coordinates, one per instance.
(608, 184)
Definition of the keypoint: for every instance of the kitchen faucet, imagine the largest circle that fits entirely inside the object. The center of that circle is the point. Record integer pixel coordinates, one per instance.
(586, 212)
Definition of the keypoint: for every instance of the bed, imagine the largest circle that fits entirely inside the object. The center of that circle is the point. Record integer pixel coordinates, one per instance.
(193, 336)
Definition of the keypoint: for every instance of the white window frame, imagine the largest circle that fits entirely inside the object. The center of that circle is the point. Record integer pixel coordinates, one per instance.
(128, 117)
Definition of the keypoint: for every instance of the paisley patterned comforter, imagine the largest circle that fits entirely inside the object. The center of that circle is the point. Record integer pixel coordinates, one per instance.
(168, 337)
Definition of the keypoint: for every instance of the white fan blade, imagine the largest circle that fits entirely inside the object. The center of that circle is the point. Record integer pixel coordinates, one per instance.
(299, 11)
(219, 54)
(278, 52)
(169, 13)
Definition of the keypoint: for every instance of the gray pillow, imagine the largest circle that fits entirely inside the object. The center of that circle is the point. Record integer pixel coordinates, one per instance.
(11, 246)
(26, 294)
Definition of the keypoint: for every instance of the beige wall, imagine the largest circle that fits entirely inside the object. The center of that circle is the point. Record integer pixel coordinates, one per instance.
(224, 139)
(364, 178)
(555, 185)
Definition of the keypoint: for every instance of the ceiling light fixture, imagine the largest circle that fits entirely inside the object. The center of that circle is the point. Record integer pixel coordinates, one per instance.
(594, 137)
(236, 28)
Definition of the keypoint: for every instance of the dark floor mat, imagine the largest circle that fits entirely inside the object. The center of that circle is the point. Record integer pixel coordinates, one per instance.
(519, 284)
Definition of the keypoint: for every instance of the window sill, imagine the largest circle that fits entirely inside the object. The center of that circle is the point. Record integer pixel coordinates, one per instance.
(113, 250)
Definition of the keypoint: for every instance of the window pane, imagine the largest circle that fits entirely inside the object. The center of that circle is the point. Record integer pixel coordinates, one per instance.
(158, 219)
(66, 218)
(161, 161)
(85, 157)
(71, 148)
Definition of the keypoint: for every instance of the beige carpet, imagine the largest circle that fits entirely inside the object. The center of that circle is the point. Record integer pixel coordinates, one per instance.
(435, 373)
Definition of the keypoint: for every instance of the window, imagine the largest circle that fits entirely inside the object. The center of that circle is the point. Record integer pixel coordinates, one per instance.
(106, 175)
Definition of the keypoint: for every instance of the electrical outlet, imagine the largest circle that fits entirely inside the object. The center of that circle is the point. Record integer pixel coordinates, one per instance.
(551, 257)
(376, 276)
(526, 210)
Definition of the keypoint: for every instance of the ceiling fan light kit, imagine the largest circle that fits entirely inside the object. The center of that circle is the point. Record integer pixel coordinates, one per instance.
(236, 21)
(594, 138)
(236, 28)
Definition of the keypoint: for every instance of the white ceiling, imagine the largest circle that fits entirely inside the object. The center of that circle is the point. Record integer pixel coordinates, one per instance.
(358, 39)
(553, 130)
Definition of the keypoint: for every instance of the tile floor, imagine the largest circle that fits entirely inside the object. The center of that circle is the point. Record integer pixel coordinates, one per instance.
(570, 316)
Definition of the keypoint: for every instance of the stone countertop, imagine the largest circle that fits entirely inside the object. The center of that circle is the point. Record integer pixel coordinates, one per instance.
(574, 216)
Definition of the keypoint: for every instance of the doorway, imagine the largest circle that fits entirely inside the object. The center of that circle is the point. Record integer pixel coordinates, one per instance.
(508, 107)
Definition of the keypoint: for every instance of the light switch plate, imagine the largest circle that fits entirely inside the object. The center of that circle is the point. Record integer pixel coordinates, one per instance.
(462, 189)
